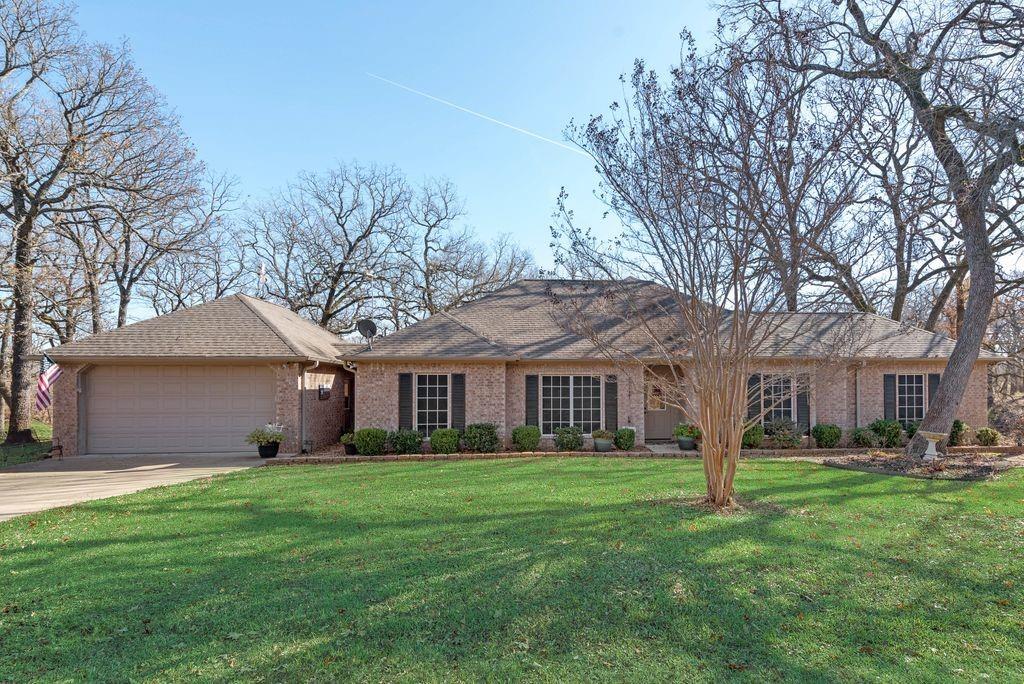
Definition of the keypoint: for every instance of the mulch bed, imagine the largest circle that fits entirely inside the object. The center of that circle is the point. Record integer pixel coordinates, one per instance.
(960, 466)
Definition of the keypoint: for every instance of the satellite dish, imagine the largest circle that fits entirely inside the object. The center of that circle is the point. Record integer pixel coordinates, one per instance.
(366, 328)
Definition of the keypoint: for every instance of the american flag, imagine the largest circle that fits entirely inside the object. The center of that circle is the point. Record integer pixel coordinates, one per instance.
(47, 377)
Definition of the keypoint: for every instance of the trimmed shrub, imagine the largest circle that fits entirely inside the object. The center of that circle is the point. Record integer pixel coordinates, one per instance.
(625, 438)
(568, 438)
(686, 430)
(444, 441)
(958, 433)
(863, 437)
(912, 429)
(753, 436)
(371, 441)
(783, 433)
(406, 442)
(889, 432)
(482, 437)
(602, 434)
(986, 436)
(526, 437)
(826, 435)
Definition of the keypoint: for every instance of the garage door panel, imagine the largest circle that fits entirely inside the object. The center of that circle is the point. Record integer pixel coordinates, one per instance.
(159, 409)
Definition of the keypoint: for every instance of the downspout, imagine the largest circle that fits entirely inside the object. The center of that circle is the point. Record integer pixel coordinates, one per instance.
(302, 406)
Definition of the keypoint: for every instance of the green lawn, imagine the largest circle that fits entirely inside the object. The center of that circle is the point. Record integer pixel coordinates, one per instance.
(555, 570)
(12, 455)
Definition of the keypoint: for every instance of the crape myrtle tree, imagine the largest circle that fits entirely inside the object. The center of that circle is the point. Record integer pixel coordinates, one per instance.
(679, 166)
(958, 66)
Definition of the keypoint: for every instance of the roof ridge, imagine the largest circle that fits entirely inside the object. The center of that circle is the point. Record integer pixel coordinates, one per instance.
(493, 343)
(905, 325)
(281, 336)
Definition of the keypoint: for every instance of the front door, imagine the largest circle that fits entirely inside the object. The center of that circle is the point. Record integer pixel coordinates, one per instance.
(659, 418)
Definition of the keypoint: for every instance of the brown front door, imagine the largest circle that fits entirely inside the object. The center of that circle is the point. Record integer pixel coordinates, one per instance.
(659, 418)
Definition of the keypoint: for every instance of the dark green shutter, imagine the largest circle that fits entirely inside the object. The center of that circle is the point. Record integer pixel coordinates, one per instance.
(459, 401)
(753, 396)
(933, 386)
(889, 395)
(532, 412)
(611, 403)
(405, 401)
(803, 404)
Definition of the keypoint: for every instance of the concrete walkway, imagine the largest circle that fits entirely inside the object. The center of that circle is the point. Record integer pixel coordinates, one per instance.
(36, 486)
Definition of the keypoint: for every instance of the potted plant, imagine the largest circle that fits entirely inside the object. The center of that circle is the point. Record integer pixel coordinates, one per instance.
(267, 439)
(348, 440)
(603, 440)
(686, 435)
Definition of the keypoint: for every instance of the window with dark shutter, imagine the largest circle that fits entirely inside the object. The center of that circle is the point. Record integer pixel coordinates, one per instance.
(611, 403)
(532, 403)
(753, 396)
(459, 401)
(889, 396)
(405, 401)
(933, 386)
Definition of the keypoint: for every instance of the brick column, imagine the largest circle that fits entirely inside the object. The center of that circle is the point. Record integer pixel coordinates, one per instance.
(288, 396)
(65, 408)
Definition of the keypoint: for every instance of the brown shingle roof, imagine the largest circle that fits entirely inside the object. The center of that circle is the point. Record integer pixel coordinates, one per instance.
(236, 327)
(526, 321)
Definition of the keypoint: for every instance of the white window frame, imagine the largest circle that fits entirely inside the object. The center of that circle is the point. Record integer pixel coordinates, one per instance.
(572, 398)
(765, 379)
(924, 395)
(416, 401)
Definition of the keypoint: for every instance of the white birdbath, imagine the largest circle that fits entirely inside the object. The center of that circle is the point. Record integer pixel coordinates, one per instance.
(930, 454)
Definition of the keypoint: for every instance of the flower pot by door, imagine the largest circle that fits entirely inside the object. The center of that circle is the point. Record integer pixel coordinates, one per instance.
(687, 443)
(602, 444)
(269, 450)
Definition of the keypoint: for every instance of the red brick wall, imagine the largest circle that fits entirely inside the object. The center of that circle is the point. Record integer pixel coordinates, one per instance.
(630, 379)
(325, 418)
(65, 408)
(973, 409)
(377, 391)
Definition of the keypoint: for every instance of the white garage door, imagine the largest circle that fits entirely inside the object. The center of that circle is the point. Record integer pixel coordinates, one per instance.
(170, 409)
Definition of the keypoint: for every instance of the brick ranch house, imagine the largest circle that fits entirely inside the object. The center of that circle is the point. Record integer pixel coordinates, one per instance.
(200, 379)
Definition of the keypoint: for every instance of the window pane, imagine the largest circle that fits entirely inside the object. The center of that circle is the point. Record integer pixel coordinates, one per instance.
(778, 397)
(556, 409)
(431, 403)
(587, 402)
(909, 398)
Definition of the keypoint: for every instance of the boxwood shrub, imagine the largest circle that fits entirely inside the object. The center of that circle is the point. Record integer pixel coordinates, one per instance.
(783, 433)
(986, 436)
(482, 437)
(569, 438)
(371, 441)
(444, 441)
(863, 437)
(625, 438)
(958, 433)
(526, 437)
(406, 442)
(889, 432)
(753, 436)
(826, 435)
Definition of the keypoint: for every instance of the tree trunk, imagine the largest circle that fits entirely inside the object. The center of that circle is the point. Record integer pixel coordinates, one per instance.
(23, 295)
(95, 307)
(124, 298)
(982, 267)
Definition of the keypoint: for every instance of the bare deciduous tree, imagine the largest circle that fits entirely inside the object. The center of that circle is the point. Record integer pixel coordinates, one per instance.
(957, 64)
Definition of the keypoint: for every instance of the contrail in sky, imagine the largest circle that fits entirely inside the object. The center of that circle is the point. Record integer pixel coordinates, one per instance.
(479, 115)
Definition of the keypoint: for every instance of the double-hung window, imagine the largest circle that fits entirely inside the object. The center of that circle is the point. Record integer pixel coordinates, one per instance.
(567, 400)
(777, 397)
(432, 403)
(910, 402)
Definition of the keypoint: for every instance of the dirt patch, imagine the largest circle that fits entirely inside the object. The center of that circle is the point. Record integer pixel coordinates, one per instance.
(738, 504)
(975, 466)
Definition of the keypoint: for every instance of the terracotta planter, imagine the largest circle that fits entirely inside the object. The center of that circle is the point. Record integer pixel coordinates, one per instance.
(269, 450)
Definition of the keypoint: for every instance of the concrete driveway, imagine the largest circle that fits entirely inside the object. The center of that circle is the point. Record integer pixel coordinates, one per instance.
(36, 486)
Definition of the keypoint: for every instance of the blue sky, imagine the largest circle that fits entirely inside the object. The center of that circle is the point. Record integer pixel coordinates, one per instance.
(269, 89)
